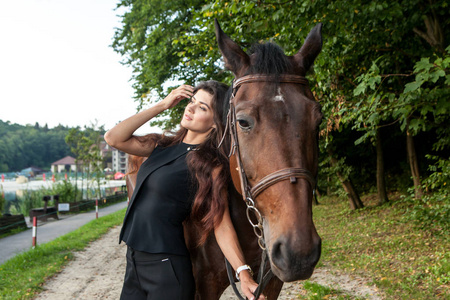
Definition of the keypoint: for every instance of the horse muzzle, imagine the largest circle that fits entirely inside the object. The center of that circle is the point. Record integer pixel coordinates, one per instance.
(291, 262)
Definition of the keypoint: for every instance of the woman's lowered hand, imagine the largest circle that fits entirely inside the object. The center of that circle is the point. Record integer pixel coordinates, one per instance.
(249, 286)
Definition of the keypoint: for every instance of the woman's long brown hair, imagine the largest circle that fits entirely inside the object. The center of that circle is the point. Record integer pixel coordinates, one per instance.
(208, 164)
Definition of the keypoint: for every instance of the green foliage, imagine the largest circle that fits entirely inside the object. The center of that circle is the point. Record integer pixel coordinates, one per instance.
(33, 198)
(66, 191)
(25, 146)
(148, 42)
(383, 65)
(432, 212)
(85, 144)
(421, 106)
(30, 199)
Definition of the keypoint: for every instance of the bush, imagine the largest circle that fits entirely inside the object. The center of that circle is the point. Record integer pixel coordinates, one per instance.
(432, 211)
(66, 191)
(30, 199)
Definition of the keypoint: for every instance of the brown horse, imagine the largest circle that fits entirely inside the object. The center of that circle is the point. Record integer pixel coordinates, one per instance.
(275, 120)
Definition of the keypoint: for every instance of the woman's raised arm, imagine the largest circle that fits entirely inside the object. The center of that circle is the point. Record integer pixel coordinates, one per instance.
(121, 136)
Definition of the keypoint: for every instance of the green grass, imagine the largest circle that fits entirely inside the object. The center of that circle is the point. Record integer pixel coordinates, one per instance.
(13, 232)
(314, 291)
(23, 276)
(380, 244)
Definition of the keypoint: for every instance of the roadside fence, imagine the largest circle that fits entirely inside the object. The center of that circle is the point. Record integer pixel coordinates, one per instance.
(9, 223)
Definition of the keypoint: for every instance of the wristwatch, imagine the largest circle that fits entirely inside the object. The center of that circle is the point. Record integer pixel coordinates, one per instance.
(242, 268)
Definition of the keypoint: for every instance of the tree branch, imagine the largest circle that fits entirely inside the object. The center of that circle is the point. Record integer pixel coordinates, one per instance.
(434, 35)
(392, 75)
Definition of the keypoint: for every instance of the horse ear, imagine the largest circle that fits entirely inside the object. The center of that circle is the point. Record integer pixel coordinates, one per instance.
(236, 60)
(311, 48)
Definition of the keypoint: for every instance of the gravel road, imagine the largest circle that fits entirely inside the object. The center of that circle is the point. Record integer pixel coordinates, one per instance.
(97, 273)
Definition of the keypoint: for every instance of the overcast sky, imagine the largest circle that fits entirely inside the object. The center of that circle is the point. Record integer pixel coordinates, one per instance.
(57, 66)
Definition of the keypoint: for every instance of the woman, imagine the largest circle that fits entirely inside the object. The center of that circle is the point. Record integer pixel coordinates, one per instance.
(184, 176)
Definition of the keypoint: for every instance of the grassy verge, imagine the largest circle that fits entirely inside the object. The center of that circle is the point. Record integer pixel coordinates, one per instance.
(12, 232)
(377, 243)
(23, 275)
(380, 244)
(314, 291)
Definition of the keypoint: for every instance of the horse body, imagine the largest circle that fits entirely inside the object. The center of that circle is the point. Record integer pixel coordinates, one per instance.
(276, 126)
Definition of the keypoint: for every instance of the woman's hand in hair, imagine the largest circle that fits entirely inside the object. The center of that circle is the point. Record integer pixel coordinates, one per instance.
(178, 94)
(122, 135)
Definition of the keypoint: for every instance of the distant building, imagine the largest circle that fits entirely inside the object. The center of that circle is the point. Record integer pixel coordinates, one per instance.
(65, 164)
(31, 171)
(119, 161)
(114, 159)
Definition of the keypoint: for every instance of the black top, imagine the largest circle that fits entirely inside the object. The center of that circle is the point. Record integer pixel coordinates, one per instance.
(161, 201)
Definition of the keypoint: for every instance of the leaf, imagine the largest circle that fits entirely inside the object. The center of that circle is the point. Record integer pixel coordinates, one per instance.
(412, 86)
(373, 81)
(415, 124)
(446, 62)
(360, 89)
(373, 118)
(362, 139)
(436, 75)
(423, 64)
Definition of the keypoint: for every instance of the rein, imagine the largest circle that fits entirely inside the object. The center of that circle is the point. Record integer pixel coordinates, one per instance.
(250, 193)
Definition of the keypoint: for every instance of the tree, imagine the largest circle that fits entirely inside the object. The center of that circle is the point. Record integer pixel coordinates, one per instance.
(420, 105)
(147, 42)
(342, 171)
(361, 39)
(85, 144)
(25, 146)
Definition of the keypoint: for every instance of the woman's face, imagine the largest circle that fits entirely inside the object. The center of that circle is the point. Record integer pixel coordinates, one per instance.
(198, 114)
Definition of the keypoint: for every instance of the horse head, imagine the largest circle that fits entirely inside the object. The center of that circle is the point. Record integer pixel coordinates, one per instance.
(276, 124)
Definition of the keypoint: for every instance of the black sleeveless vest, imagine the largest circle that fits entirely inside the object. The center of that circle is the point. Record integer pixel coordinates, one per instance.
(161, 201)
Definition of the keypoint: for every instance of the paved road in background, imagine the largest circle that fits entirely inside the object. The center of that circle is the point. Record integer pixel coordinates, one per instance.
(15, 244)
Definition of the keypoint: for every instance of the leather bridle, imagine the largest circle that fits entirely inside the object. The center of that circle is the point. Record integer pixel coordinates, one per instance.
(250, 193)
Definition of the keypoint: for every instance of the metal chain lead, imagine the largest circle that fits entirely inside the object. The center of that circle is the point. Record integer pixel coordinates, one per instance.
(258, 227)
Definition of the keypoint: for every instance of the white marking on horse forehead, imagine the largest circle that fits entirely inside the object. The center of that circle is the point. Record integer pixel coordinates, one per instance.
(279, 96)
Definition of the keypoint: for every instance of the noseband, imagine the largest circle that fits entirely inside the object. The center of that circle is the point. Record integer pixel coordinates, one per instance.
(250, 193)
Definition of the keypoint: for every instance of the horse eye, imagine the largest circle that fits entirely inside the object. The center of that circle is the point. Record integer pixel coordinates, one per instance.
(244, 124)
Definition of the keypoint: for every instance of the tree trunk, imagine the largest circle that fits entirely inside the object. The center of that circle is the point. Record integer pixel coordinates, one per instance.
(353, 197)
(381, 182)
(413, 163)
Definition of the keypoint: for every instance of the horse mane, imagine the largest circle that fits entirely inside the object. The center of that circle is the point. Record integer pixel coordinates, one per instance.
(226, 106)
(268, 58)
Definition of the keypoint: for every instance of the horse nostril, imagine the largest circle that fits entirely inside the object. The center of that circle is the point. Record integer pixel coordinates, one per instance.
(279, 255)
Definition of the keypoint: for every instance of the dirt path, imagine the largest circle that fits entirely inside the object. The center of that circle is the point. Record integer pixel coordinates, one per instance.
(97, 273)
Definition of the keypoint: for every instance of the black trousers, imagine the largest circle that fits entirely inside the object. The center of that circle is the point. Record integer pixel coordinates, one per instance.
(157, 276)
